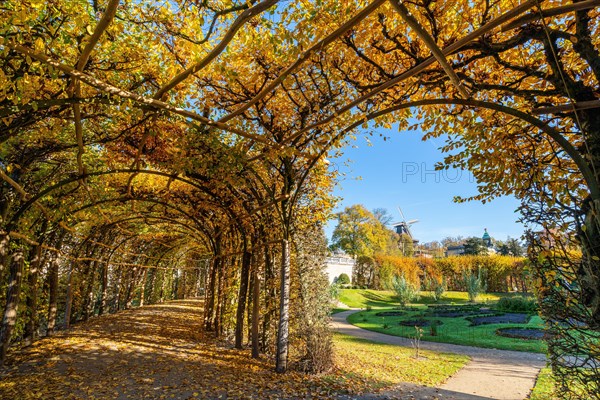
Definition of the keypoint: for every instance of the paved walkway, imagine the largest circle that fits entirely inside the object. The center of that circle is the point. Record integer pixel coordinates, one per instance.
(491, 374)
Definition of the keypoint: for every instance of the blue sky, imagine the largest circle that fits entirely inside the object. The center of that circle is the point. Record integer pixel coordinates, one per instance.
(400, 172)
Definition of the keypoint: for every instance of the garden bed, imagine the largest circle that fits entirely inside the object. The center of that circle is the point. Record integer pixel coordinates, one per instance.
(523, 333)
(391, 314)
(452, 311)
(508, 318)
(419, 322)
(456, 314)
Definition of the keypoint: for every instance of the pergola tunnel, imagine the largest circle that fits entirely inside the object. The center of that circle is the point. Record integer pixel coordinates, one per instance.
(154, 151)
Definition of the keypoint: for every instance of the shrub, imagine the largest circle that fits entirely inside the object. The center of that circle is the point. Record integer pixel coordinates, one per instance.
(387, 266)
(405, 291)
(343, 279)
(474, 284)
(433, 327)
(310, 332)
(517, 304)
(334, 292)
(438, 289)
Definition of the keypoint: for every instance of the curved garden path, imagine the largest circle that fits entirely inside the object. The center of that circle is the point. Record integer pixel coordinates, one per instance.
(491, 374)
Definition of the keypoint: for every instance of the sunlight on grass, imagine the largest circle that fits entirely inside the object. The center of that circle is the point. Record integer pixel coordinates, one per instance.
(370, 366)
(544, 386)
(452, 330)
(363, 298)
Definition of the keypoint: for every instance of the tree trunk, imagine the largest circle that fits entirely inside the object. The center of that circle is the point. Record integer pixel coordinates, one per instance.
(270, 295)
(152, 295)
(69, 300)
(209, 303)
(52, 294)
(255, 312)
(117, 290)
(89, 303)
(219, 302)
(104, 290)
(12, 302)
(589, 272)
(131, 288)
(143, 289)
(32, 299)
(284, 309)
(163, 284)
(199, 282)
(242, 296)
(4, 253)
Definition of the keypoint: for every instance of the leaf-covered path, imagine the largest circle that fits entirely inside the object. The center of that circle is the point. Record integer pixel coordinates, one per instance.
(152, 352)
(491, 374)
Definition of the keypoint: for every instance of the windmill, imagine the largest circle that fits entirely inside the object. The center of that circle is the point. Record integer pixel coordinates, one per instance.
(403, 227)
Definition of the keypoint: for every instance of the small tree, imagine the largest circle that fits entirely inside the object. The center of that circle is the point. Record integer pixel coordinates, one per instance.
(475, 246)
(405, 290)
(343, 279)
(363, 271)
(438, 288)
(474, 283)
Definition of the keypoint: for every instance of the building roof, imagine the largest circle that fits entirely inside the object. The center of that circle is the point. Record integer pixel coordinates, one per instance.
(486, 235)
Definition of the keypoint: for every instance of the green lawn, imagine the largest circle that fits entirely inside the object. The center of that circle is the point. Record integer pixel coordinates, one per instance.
(452, 330)
(370, 366)
(363, 298)
(544, 386)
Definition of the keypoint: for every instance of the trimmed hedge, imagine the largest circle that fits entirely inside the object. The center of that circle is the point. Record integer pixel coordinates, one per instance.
(502, 273)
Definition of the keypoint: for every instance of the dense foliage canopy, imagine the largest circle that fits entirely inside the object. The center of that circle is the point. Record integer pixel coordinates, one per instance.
(187, 138)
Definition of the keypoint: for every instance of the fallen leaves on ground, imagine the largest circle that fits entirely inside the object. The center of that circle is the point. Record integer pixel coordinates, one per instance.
(371, 366)
(160, 352)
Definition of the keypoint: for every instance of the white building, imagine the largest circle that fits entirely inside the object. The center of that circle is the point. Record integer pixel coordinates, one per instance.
(339, 263)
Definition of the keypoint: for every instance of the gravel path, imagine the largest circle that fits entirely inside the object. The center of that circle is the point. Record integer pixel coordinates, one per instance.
(491, 374)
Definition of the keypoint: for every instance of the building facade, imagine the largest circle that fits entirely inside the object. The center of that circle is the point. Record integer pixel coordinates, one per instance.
(339, 263)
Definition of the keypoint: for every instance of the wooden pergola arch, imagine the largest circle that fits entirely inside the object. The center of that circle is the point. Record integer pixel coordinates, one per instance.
(288, 158)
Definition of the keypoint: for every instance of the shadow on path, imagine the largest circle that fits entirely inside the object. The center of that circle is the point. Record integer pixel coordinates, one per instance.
(491, 374)
(152, 352)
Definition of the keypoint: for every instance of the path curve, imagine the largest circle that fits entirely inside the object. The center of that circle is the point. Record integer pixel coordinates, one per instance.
(491, 374)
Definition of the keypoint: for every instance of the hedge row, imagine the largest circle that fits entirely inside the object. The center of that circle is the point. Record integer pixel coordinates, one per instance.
(502, 273)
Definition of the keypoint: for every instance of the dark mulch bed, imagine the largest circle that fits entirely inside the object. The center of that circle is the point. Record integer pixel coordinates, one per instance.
(456, 314)
(390, 314)
(454, 307)
(453, 311)
(410, 308)
(508, 318)
(419, 322)
(523, 333)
